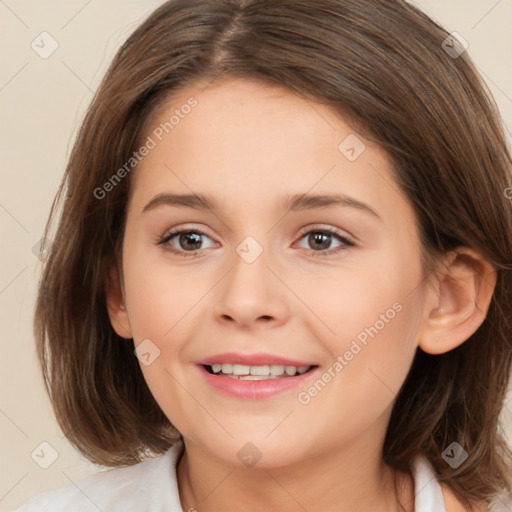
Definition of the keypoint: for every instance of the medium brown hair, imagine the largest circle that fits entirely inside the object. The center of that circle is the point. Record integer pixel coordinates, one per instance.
(380, 63)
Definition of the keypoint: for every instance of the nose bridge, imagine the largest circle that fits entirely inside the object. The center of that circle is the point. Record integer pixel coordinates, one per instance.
(250, 289)
(249, 279)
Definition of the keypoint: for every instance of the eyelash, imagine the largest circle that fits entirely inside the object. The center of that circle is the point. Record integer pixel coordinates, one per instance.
(331, 231)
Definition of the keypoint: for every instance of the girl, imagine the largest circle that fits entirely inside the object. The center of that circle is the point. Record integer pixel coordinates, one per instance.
(338, 335)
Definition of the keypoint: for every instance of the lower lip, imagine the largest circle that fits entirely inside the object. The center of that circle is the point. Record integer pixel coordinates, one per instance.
(254, 389)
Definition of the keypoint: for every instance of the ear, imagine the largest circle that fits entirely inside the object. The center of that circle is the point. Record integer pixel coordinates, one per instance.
(458, 303)
(115, 303)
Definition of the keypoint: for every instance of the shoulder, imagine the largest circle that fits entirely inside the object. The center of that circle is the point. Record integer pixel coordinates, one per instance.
(452, 503)
(144, 486)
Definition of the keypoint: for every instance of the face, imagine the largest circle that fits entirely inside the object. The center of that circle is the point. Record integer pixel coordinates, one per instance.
(264, 277)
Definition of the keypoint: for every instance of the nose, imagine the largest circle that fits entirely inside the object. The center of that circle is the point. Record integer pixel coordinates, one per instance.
(252, 294)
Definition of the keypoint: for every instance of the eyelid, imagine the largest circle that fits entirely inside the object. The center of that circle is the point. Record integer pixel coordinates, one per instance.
(169, 233)
(329, 229)
(303, 231)
(347, 240)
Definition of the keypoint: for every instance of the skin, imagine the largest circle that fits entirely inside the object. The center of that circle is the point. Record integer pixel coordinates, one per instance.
(250, 144)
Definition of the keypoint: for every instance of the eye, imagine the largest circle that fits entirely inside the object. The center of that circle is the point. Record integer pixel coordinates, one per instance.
(190, 244)
(188, 239)
(321, 238)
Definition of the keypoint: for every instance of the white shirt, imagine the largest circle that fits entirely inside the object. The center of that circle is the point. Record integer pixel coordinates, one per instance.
(151, 486)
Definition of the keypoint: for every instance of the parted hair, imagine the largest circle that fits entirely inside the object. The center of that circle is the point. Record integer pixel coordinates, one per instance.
(386, 66)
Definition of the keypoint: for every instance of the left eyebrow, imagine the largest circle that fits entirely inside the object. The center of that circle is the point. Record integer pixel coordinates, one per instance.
(297, 202)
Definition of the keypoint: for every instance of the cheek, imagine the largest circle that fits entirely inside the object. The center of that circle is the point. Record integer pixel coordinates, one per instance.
(351, 299)
(372, 356)
(375, 318)
(160, 293)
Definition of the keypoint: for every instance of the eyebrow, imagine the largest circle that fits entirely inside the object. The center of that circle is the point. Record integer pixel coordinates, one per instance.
(294, 203)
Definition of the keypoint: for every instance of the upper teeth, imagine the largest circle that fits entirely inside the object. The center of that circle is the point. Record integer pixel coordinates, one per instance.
(274, 369)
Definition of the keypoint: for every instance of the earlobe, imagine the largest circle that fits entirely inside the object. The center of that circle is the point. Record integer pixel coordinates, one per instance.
(458, 304)
(115, 303)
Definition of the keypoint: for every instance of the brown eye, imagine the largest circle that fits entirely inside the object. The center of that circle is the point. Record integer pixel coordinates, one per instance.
(320, 240)
(187, 241)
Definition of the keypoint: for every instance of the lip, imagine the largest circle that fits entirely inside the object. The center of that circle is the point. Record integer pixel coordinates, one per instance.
(254, 389)
(258, 359)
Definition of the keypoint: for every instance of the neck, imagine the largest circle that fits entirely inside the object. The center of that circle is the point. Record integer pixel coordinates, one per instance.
(338, 481)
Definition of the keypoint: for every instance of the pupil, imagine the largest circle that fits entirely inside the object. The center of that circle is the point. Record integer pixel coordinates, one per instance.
(190, 236)
(317, 238)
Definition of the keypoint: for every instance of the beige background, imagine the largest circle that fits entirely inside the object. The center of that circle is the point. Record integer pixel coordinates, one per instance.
(42, 102)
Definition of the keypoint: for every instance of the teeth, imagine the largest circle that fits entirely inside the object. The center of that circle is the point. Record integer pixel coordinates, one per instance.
(257, 372)
(240, 369)
(290, 370)
(256, 377)
(227, 368)
(276, 369)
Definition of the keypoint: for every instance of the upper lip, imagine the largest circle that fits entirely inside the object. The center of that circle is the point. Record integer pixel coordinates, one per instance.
(259, 359)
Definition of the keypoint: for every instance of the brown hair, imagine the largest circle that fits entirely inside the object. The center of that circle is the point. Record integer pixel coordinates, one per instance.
(382, 64)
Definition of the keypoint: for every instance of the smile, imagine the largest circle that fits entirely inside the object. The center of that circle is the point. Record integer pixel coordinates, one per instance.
(254, 376)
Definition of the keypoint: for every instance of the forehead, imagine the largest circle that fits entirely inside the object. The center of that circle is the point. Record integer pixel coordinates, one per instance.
(260, 118)
(247, 143)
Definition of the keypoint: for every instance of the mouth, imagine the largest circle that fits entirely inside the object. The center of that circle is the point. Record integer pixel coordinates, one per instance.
(255, 376)
(263, 372)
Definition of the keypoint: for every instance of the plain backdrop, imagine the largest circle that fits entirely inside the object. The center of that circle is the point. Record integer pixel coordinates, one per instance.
(42, 102)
